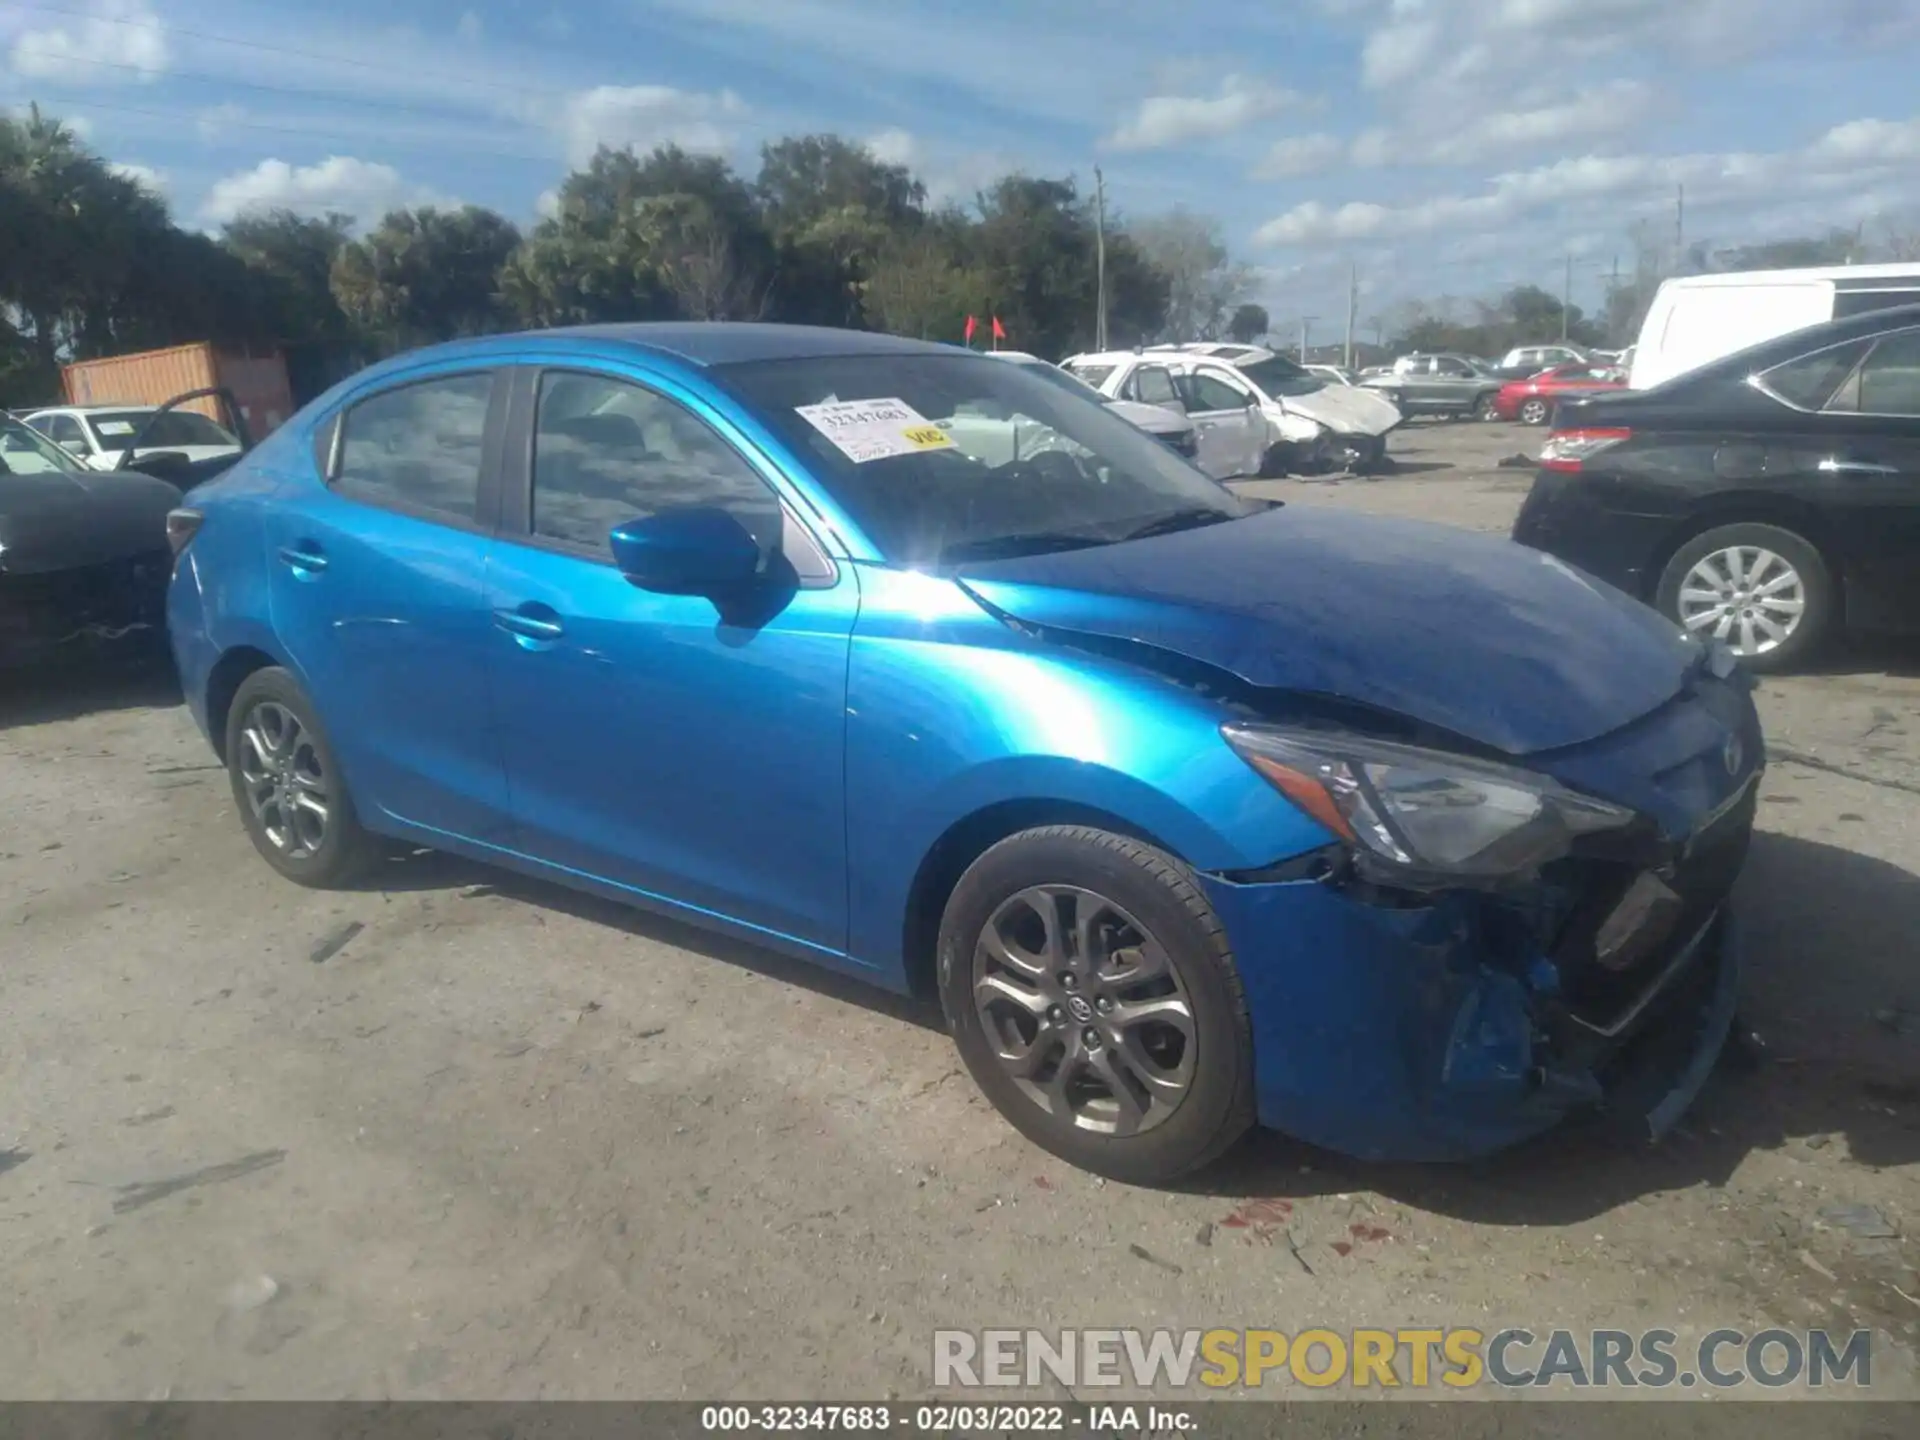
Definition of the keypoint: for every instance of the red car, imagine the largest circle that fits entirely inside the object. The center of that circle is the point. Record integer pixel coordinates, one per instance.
(1531, 402)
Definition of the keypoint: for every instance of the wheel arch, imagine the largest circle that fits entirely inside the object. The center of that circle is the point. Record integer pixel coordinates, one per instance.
(224, 680)
(964, 842)
(1746, 507)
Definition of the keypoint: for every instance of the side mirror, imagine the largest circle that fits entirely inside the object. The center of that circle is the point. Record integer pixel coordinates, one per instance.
(696, 550)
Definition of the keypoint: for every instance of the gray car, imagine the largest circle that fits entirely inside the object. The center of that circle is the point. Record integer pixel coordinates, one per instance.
(1453, 385)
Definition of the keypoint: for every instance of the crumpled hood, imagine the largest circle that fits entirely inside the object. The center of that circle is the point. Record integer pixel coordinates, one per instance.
(1477, 635)
(1154, 419)
(1346, 409)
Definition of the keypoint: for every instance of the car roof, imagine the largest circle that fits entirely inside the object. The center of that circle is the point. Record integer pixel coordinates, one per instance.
(90, 409)
(706, 343)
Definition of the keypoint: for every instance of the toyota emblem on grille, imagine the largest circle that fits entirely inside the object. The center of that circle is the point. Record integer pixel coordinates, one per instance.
(1732, 753)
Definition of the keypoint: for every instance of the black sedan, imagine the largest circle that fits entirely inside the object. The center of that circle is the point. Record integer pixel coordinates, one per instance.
(83, 553)
(1765, 500)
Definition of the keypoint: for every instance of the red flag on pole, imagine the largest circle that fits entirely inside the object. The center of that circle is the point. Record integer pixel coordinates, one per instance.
(998, 333)
(972, 325)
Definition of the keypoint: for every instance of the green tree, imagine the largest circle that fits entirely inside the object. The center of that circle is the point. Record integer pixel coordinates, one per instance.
(1203, 284)
(1248, 323)
(832, 208)
(425, 275)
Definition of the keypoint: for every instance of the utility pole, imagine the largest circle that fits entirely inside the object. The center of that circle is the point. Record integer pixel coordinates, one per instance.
(1679, 227)
(1353, 306)
(1305, 322)
(1566, 301)
(1099, 259)
(1613, 291)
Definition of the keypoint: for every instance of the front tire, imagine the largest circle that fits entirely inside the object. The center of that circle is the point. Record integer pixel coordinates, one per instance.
(288, 785)
(1094, 998)
(1486, 409)
(1766, 592)
(1535, 412)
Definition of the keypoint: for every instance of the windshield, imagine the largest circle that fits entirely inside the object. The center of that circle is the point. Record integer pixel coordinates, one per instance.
(1054, 375)
(27, 452)
(117, 429)
(1094, 375)
(1278, 376)
(954, 459)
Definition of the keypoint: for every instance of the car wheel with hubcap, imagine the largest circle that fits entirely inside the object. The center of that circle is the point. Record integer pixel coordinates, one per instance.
(1486, 409)
(1093, 997)
(288, 786)
(1535, 412)
(1763, 591)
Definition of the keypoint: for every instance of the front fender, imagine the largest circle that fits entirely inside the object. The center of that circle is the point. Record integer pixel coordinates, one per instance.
(952, 713)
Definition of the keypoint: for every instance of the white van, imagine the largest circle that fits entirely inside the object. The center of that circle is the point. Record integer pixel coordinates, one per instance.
(1699, 318)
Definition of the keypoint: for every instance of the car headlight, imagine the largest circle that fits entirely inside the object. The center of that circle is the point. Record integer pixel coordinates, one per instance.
(1424, 817)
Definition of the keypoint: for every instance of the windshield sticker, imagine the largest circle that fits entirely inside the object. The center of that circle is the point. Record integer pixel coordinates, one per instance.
(114, 427)
(864, 430)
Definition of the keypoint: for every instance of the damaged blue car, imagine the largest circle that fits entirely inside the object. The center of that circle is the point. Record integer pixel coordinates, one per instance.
(1194, 812)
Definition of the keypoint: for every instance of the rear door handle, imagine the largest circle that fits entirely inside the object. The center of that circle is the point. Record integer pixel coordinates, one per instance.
(528, 627)
(304, 556)
(1834, 465)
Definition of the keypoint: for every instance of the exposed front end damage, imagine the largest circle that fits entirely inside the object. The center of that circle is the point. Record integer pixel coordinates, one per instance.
(1396, 1026)
(52, 613)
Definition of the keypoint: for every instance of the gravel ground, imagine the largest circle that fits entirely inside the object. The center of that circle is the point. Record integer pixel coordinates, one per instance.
(464, 1135)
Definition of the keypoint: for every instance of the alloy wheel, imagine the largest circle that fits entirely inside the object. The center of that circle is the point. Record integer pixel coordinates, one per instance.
(1534, 412)
(283, 780)
(1745, 595)
(1085, 1010)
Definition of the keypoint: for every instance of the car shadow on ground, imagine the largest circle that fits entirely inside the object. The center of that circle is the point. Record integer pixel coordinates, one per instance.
(69, 688)
(1831, 989)
(1895, 656)
(408, 869)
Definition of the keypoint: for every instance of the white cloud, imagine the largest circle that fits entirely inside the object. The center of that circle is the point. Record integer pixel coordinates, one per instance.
(361, 188)
(145, 176)
(119, 42)
(547, 207)
(643, 116)
(210, 124)
(1167, 120)
(1832, 177)
(469, 27)
(894, 147)
(1301, 155)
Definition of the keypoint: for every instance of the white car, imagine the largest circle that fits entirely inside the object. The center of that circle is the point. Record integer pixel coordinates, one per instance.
(1255, 403)
(97, 435)
(1169, 426)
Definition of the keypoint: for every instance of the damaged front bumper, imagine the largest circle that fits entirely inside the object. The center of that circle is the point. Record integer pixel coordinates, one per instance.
(47, 614)
(1412, 1029)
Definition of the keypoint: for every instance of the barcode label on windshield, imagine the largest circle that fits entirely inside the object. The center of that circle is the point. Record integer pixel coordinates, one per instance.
(864, 430)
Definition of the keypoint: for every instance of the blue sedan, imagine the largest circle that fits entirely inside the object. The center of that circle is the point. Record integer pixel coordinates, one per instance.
(1193, 811)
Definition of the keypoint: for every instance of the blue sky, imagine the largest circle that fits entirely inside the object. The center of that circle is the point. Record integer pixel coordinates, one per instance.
(1441, 147)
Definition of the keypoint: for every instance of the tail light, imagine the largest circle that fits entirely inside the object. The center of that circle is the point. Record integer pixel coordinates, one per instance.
(1570, 450)
(182, 526)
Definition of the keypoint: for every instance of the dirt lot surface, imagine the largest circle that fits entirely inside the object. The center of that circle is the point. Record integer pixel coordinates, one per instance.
(465, 1135)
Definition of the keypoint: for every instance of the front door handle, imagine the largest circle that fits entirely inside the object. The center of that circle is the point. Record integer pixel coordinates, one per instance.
(1834, 465)
(527, 627)
(305, 557)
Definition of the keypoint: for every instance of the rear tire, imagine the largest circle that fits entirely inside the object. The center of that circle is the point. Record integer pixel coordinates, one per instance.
(1535, 412)
(1774, 569)
(1021, 1003)
(288, 786)
(1486, 409)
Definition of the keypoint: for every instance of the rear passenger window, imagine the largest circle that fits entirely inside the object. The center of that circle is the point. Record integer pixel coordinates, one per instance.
(606, 452)
(1811, 380)
(1890, 380)
(418, 447)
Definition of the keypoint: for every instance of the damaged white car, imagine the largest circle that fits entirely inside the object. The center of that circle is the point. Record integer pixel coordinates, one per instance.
(1299, 422)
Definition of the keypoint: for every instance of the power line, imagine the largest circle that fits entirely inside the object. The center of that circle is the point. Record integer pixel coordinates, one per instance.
(405, 73)
(304, 130)
(331, 96)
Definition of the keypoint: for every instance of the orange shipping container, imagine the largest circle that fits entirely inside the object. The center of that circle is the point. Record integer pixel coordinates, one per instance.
(258, 382)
